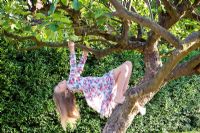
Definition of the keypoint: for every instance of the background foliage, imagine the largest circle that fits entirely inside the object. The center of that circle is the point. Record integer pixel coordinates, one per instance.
(27, 81)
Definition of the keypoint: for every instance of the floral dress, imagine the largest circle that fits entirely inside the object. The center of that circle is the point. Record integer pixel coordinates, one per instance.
(98, 91)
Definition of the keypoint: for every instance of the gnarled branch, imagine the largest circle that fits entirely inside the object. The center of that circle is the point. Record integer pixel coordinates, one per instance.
(170, 8)
(194, 16)
(122, 13)
(131, 45)
(185, 69)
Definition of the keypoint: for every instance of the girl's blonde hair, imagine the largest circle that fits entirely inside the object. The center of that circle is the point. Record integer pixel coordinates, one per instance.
(66, 107)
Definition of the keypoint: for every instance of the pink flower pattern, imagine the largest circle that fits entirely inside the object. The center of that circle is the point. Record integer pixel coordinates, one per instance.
(98, 91)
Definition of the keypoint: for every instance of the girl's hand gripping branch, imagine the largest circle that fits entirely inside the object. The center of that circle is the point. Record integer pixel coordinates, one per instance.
(71, 47)
(85, 53)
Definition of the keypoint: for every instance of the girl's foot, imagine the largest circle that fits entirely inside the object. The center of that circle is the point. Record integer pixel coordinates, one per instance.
(119, 99)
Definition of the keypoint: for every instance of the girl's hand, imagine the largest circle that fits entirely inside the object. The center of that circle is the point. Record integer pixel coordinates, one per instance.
(85, 53)
(71, 46)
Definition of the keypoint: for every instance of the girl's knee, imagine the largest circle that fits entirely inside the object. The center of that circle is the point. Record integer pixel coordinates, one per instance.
(128, 65)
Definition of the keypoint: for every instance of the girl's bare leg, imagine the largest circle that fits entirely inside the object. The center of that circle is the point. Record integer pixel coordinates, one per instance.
(122, 75)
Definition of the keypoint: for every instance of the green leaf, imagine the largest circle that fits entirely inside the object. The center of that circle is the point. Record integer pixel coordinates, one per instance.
(98, 13)
(40, 15)
(64, 20)
(53, 7)
(64, 2)
(27, 28)
(101, 21)
(103, 1)
(56, 16)
(76, 5)
(53, 27)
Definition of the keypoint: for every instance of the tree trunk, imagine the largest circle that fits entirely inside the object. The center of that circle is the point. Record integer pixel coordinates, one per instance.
(124, 114)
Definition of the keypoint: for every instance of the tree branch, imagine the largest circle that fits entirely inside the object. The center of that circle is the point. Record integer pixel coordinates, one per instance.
(184, 7)
(194, 16)
(125, 27)
(196, 3)
(101, 40)
(21, 38)
(153, 85)
(59, 45)
(131, 45)
(167, 21)
(41, 44)
(192, 39)
(185, 69)
(139, 27)
(170, 8)
(122, 13)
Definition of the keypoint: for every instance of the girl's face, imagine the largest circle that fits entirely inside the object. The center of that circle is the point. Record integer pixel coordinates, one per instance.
(62, 85)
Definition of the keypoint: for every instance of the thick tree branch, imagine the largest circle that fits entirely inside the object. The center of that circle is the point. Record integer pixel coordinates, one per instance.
(184, 7)
(131, 45)
(191, 43)
(185, 69)
(194, 16)
(192, 39)
(152, 86)
(125, 28)
(164, 72)
(151, 55)
(167, 21)
(122, 13)
(41, 44)
(21, 38)
(170, 8)
(196, 3)
(107, 43)
(58, 45)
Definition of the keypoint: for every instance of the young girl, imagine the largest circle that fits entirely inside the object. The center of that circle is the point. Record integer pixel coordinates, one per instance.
(101, 93)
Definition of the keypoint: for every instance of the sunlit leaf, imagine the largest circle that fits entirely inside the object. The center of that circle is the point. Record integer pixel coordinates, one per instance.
(53, 27)
(76, 5)
(53, 7)
(39, 15)
(64, 2)
(13, 26)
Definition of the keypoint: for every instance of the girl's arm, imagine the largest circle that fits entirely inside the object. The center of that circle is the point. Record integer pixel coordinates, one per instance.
(72, 58)
(82, 62)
